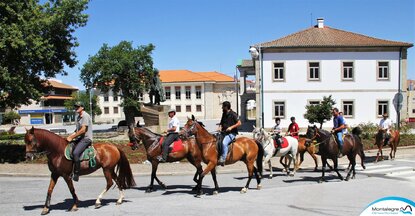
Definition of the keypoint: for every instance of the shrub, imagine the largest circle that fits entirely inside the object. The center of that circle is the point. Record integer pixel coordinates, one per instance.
(369, 129)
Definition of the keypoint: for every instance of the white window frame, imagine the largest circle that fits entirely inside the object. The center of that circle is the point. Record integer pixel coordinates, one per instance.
(200, 108)
(106, 108)
(378, 73)
(168, 96)
(345, 111)
(382, 102)
(198, 90)
(178, 89)
(115, 109)
(313, 102)
(188, 92)
(311, 69)
(350, 71)
(280, 104)
(279, 70)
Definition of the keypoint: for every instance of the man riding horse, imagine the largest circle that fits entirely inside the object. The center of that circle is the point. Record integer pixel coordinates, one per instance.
(339, 128)
(229, 124)
(385, 126)
(276, 130)
(82, 137)
(172, 134)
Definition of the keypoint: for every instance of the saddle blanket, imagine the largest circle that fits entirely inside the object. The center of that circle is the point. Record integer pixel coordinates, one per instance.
(284, 143)
(88, 155)
(176, 145)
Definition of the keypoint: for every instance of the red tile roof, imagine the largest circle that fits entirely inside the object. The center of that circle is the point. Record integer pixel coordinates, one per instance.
(330, 37)
(169, 76)
(60, 85)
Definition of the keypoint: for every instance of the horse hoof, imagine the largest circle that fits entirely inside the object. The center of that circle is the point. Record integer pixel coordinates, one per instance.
(74, 209)
(45, 211)
(97, 205)
(353, 177)
(118, 202)
(215, 192)
(270, 177)
(194, 188)
(163, 186)
(149, 190)
(347, 178)
(292, 174)
(244, 190)
(197, 196)
(259, 187)
(321, 181)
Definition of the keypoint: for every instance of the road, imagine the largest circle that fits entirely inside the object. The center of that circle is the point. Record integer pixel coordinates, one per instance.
(282, 195)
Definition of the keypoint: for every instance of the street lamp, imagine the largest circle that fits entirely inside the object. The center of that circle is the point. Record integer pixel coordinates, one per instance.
(256, 53)
(90, 103)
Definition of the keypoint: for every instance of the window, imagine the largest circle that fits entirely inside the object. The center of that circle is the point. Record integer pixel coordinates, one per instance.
(106, 110)
(279, 109)
(167, 93)
(314, 102)
(198, 92)
(140, 96)
(383, 70)
(278, 71)
(188, 108)
(178, 93)
(115, 98)
(115, 110)
(106, 98)
(314, 70)
(178, 108)
(347, 71)
(348, 108)
(383, 106)
(413, 110)
(198, 108)
(188, 92)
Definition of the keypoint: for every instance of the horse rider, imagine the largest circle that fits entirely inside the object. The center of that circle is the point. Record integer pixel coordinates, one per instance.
(172, 134)
(82, 137)
(228, 125)
(345, 124)
(276, 130)
(385, 126)
(338, 130)
(293, 129)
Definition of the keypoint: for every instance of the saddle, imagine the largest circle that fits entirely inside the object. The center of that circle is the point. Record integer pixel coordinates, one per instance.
(219, 141)
(284, 143)
(89, 154)
(177, 145)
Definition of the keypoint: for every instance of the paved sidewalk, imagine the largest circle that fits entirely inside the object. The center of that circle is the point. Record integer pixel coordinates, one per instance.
(184, 168)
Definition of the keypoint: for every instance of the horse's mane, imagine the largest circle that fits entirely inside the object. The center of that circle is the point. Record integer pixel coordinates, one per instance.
(45, 135)
(149, 131)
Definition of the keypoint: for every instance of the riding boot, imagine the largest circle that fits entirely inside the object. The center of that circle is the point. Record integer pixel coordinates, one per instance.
(77, 167)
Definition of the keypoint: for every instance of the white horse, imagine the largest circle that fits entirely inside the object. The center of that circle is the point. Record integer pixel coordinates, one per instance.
(267, 142)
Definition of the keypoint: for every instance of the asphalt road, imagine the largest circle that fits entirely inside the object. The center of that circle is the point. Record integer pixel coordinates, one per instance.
(282, 195)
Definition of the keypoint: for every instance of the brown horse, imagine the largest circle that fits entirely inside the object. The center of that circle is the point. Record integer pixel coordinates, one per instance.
(107, 157)
(243, 149)
(393, 143)
(304, 146)
(328, 149)
(190, 151)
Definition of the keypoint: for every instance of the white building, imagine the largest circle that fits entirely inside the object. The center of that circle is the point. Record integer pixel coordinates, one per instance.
(197, 93)
(362, 74)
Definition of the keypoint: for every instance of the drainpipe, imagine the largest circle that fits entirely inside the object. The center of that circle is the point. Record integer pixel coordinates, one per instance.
(398, 120)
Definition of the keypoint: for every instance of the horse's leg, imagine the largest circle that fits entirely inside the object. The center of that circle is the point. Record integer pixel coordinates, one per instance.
(283, 164)
(211, 167)
(270, 169)
(250, 167)
(352, 164)
(121, 192)
(311, 152)
(324, 162)
(258, 178)
(213, 173)
(197, 176)
(294, 162)
(267, 159)
(153, 176)
(108, 177)
(392, 148)
(335, 161)
(69, 182)
(53, 179)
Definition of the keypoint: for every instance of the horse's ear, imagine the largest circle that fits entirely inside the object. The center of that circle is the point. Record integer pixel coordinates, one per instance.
(188, 118)
(32, 130)
(193, 117)
(254, 126)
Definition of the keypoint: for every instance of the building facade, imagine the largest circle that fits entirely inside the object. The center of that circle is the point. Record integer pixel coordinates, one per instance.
(188, 92)
(362, 74)
(51, 109)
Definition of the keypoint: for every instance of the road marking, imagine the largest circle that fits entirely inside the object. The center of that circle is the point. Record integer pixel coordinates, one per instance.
(389, 170)
(405, 160)
(402, 173)
(368, 167)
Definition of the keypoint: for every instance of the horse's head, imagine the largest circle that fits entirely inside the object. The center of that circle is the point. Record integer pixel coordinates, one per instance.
(312, 132)
(135, 139)
(257, 133)
(189, 128)
(31, 144)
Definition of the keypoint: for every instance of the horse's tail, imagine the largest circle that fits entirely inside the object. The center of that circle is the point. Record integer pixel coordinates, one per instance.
(125, 175)
(357, 131)
(259, 157)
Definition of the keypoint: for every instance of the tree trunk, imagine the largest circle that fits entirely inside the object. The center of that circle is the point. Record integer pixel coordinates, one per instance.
(321, 125)
(129, 112)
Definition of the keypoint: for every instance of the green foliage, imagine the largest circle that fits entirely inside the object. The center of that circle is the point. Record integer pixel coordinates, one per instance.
(83, 97)
(369, 129)
(36, 42)
(123, 69)
(10, 116)
(5, 136)
(405, 128)
(320, 113)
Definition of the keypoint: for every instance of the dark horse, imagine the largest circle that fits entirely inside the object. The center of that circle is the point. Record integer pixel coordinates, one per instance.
(328, 148)
(108, 156)
(393, 143)
(243, 149)
(190, 151)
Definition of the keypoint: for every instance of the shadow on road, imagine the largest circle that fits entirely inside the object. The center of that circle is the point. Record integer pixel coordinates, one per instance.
(67, 203)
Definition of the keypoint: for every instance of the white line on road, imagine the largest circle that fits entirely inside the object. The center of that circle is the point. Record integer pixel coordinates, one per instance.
(389, 170)
(402, 173)
(405, 160)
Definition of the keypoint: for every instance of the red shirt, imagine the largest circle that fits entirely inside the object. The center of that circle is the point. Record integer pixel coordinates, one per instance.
(293, 129)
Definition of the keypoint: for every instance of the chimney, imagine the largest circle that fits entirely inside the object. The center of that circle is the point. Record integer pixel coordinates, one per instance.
(320, 22)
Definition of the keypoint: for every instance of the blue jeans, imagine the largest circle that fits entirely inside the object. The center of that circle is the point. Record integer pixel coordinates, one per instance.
(339, 137)
(226, 141)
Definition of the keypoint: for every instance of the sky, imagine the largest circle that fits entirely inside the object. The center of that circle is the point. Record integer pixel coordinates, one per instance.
(214, 35)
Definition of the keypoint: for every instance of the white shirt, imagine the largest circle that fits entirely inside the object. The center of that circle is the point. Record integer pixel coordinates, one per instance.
(385, 124)
(174, 122)
(277, 129)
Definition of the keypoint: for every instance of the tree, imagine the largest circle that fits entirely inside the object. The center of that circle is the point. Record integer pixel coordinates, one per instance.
(36, 42)
(122, 69)
(319, 113)
(83, 97)
(9, 117)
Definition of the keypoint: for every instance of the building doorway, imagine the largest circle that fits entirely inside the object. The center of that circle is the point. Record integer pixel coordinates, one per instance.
(49, 118)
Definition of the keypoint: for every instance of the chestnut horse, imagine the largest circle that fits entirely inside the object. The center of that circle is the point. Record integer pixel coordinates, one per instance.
(243, 149)
(304, 146)
(108, 156)
(393, 143)
(190, 151)
(329, 149)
